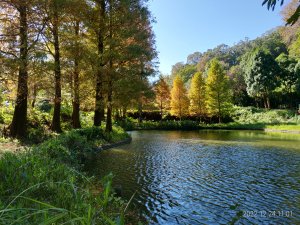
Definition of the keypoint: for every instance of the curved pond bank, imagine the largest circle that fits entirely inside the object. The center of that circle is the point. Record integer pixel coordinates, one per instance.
(208, 177)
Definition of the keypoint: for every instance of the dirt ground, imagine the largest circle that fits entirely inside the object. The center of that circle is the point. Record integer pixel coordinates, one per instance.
(10, 147)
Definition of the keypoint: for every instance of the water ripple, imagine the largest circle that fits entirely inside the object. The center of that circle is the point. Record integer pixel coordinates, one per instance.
(207, 177)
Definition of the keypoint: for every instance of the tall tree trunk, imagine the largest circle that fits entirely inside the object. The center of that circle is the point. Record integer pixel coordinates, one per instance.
(140, 111)
(18, 125)
(99, 98)
(256, 99)
(268, 102)
(219, 108)
(34, 94)
(180, 110)
(57, 72)
(265, 101)
(108, 127)
(161, 110)
(140, 100)
(76, 102)
(124, 112)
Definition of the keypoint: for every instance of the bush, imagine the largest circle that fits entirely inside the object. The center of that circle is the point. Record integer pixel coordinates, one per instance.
(86, 118)
(44, 105)
(116, 135)
(38, 127)
(126, 124)
(6, 114)
(1, 119)
(76, 146)
(71, 149)
(44, 184)
(153, 115)
(39, 189)
(91, 133)
(66, 112)
(254, 115)
(162, 125)
(37, 118)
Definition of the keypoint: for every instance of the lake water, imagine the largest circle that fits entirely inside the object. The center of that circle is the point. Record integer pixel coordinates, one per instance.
(208, 177)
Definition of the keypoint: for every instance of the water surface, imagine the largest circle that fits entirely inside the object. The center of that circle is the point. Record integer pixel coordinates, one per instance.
(208, 177)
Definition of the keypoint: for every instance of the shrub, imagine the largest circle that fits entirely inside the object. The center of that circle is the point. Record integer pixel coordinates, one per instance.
(71, 148)
(44, 105)
(254, 115)
(1, 118)
(44, 184)
(39, 189)
(162, 125)
(126, 124)
(86, 119)
(146, 115)
(91, 133)
(6, 114)
(38, 127)
(66, 113)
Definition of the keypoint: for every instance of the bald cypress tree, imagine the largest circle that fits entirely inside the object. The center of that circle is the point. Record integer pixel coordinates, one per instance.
(18, 125)
(197, 95)
(179, 99)
(162, 93)
(20, 29)
(218, 93)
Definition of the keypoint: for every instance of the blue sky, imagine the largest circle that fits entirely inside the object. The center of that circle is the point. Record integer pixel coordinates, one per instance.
(187, 26)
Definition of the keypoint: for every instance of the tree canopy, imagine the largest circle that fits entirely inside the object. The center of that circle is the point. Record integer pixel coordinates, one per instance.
(292, 19)
(75, 51)
(262, 74)
(179, 98)
(217, 90)
(197, 95)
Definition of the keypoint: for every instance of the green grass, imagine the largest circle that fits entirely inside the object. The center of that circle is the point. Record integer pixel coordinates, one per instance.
(188, 125)
(284, 127)
(235, 126)
(45, 184)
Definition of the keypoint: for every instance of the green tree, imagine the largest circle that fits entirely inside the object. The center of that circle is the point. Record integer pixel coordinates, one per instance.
(18, 125)
(239, 88)
(179, 99)
(290, 75)
(261, 74)
(55, 13)
(271, 42)
(187, 72)
(217, 90)
(294, 48)
(20, 27)
(75, 50)
(197, 95)
(99, 28)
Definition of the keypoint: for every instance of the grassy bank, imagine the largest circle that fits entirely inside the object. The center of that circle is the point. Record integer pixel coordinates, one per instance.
(46, 185)
(189, 125)
(284, 128)
(244, 118)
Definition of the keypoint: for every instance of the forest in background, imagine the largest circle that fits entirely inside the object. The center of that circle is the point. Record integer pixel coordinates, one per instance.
(263, 73)
(72, 63)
